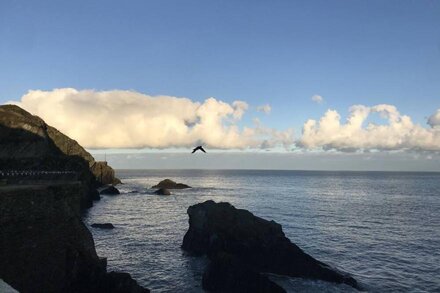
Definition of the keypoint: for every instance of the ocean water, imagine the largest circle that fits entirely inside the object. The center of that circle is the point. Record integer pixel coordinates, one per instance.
(381, 227)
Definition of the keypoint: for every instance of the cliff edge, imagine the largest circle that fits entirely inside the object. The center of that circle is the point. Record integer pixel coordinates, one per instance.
(28, 143)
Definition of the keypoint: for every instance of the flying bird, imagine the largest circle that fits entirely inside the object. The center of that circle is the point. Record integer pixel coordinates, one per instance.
(198, 148)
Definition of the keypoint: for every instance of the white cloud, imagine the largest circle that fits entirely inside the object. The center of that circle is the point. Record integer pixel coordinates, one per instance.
(318, 99)
(399, 133)
(264, 108)
(128, 119)
(434, 119)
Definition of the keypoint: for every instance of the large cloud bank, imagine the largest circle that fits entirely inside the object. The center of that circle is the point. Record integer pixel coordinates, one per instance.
(128, 119)
(398, 133)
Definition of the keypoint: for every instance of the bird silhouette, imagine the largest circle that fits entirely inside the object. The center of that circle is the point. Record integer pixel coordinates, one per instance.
(198, 148)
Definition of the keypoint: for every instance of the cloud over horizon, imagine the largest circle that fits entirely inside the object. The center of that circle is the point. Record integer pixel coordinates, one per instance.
(128, 119)
(357, 134)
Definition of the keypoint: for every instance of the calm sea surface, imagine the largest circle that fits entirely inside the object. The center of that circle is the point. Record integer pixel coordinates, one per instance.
(382, 227)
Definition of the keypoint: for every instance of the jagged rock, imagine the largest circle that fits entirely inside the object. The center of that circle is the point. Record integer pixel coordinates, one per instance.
(28, 143)
(261, 244)
(103, 225)
(104, 173)
(170, 184)
(162, 191)
(226, 273)
(110, 190)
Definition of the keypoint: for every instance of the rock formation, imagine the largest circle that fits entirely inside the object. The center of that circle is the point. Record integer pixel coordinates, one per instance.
(28, 143)
(162, 191)
(221, 228)
(104, 173)
(226, 273)
(103, 225)
(45, 247)
(110, 190)
(170, 184)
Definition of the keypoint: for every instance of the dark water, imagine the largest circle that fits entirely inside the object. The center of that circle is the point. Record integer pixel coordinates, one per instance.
(382, 227)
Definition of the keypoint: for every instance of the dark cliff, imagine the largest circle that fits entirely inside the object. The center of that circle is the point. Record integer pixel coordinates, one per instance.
(45, 247)
(28, 143)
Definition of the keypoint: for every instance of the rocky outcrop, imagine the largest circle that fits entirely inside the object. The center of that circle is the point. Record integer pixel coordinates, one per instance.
(104, 173)
(162, 191)
(103, 225)
(226, 273)
(221, 228)
(28, 143)
(170, 184)
(45, 247)
(110, 190)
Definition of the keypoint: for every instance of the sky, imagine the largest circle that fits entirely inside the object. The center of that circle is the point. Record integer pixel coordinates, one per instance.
(319, 84)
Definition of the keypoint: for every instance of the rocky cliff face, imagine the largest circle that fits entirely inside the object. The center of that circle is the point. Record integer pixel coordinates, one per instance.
(28, 143)
(45, 247)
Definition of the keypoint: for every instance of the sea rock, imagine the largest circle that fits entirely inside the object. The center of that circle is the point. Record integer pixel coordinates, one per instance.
(162, 191)
(103, 225)
(261, 244)
(110, 190)
(226, 273)
(28, 143)
(170, 184)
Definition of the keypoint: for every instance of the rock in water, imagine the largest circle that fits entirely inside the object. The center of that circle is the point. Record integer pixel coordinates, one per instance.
(162, 191)
(103, 225)
(170, 184)
(261, 244)
(110, 190)
(226, 273)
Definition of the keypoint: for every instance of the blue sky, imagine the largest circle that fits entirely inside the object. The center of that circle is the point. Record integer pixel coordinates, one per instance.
(276, 52)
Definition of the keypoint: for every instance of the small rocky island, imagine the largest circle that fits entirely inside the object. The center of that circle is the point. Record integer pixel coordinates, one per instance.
(170, 184)
(47, 180)
(242, 247)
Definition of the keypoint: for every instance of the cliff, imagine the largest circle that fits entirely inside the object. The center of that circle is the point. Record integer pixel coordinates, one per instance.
(28, 143)
(45, 247)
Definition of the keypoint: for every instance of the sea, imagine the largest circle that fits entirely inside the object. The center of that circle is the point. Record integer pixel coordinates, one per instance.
(381, 227)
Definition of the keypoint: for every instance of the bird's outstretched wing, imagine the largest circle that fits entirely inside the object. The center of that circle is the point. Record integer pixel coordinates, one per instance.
(198, 148)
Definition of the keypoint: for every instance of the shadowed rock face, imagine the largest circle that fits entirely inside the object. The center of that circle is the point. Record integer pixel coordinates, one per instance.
(170, 184)
(162, 191)
(103, 225)
(28, 143)
(110, 190)
(226, 273)
(45, 247)
(261, 244)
